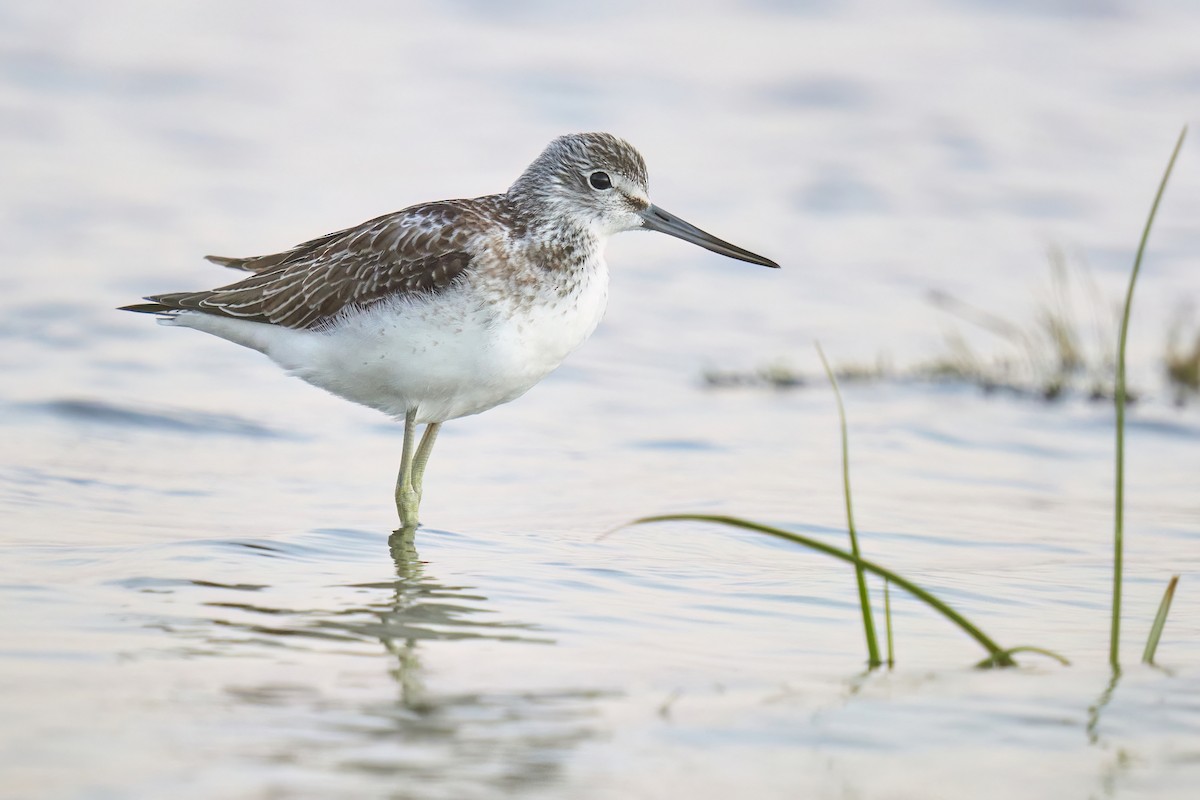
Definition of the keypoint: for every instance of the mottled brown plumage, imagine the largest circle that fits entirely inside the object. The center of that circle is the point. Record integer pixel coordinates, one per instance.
(419, 250)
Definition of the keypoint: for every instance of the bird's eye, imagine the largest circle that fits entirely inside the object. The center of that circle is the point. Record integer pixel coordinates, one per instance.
(600, 180)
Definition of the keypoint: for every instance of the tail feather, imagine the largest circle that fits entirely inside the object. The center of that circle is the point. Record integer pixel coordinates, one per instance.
(148, 308)
(171, 304)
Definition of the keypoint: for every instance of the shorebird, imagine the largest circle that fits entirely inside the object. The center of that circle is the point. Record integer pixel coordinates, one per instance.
(444, 309)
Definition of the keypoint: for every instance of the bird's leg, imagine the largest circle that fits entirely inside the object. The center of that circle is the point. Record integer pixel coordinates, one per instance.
(407, 498)
(422, 458)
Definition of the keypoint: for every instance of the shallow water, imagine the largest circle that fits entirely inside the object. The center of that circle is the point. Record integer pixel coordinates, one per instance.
(198, 596)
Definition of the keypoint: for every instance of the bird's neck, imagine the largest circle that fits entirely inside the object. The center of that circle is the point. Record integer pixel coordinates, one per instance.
(551, 237)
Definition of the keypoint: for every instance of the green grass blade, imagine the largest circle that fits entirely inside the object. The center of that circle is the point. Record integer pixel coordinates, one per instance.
(887, 618)
(991, 661)
(1000, 656)
(863, 598)
(1114, 645)
(1160, 619)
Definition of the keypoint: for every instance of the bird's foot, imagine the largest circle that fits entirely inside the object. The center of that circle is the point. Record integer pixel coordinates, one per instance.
(408, 502)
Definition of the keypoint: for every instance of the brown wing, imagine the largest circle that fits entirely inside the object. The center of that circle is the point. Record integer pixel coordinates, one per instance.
(421, 250)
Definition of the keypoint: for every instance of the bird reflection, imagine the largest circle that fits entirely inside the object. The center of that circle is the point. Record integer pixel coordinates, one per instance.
(421, 609)
(486, 734)
(470, 731)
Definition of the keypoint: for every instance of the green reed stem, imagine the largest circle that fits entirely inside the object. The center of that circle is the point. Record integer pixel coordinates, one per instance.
(1114, 646)
(998, 656)
(863, 598)
(887, 618)
(1160, 619)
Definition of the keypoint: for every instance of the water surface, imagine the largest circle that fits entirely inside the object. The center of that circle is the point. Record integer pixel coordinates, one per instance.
(198, 594)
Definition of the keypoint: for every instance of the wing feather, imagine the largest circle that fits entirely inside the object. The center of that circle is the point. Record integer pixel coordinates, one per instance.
(420, 250)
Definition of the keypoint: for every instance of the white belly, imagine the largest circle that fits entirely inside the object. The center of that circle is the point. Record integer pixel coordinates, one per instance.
(450, 355)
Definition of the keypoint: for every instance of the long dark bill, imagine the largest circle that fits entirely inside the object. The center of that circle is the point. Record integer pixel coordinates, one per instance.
(655, 219)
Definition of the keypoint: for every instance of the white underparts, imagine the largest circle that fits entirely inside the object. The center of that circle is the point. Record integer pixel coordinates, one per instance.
(461, 351)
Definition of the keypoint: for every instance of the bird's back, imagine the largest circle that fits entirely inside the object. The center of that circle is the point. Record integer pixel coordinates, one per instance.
(419, 251)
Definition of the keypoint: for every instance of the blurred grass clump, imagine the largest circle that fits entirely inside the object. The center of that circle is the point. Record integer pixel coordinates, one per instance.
(1065, 347)
(1182, 359)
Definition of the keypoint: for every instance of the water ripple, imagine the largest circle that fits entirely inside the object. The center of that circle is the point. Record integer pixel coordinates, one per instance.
(191, 422)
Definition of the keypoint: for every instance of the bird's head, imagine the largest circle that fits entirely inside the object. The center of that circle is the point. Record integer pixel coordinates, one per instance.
(598, 182)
